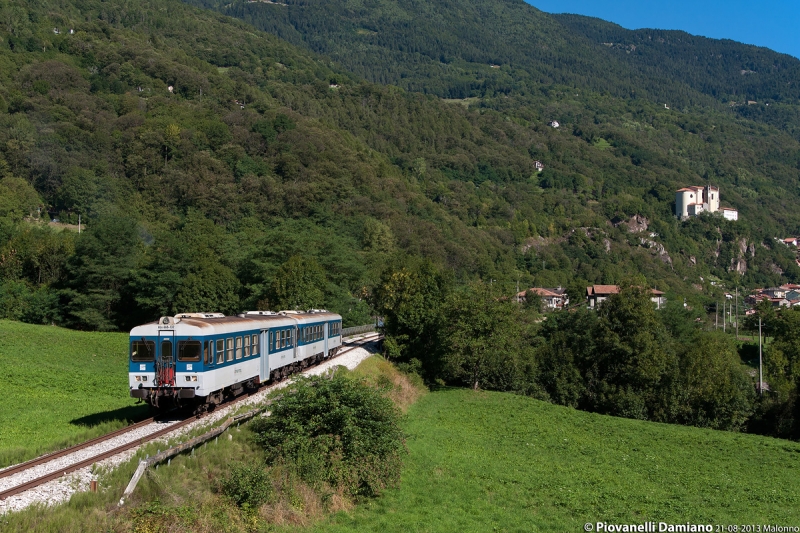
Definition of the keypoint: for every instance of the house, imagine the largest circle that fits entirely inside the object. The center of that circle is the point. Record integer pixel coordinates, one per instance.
(553, 298)
(597, 294)
(790, 241)
(538, 165)
(553, 124)
(729, 213)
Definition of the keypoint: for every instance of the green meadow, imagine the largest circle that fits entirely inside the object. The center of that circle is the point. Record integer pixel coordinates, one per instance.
(500, 462)
(60, 387)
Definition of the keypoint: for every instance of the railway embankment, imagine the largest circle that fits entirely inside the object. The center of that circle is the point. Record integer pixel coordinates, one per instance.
(55, 478)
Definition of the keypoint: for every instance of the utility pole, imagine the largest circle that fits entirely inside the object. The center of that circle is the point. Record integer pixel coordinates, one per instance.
(79, 223)
(723, 316)
(716, 317)
(760, 375)
(737, 312)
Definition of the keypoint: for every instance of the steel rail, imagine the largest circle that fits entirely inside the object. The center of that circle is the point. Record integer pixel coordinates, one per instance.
(66, 451)
(18, 489)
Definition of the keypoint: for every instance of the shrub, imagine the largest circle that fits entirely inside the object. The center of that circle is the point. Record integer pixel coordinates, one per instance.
(335, 430)
(247, 485)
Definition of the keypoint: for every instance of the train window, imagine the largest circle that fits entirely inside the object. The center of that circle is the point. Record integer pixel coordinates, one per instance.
(283, 338)
(247, 345)
(220, 351)
(166, 349)
(238, 347)
(255, 345)
(208, 353)
(229, 350)
(143, 350)
(271, 342)
(189, 351)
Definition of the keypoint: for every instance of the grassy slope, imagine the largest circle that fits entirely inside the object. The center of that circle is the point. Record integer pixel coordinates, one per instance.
(59, 387)
(491, 461)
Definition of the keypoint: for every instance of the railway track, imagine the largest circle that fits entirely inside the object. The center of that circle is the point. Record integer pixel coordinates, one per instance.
(59, 471)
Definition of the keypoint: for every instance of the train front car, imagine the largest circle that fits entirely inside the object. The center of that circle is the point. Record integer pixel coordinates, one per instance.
(194, 358)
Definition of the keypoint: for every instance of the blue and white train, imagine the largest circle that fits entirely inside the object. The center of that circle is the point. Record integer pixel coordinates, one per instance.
(203, 357)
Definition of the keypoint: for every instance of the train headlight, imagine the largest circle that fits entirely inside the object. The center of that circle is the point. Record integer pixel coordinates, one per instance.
(138, 378)
(144, 378)
(194, 378)
(191, 378)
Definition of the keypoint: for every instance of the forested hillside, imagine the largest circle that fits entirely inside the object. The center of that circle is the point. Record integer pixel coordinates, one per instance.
(214, 165)
(459, 49)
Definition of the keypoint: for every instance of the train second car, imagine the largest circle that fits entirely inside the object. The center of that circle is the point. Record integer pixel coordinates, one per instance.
(203, 357)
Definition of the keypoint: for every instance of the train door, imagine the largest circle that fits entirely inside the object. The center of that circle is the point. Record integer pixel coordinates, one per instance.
(263, 356)
(325, 333)
(165, 359)
(294, 331)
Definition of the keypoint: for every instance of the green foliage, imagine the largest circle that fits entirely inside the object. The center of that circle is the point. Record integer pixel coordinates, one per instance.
(481, 341)
(18, 199)
(247, 485)
(719, 392)
(410, 300)
(103, 264)
(335, 430)
(299, 284)
(634, 359)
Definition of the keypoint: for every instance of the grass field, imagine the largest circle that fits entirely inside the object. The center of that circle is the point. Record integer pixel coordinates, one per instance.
(59, 387)
(477, 461)
(500, 462)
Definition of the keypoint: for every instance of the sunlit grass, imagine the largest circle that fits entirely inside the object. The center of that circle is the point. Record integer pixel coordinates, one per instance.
(60, 387)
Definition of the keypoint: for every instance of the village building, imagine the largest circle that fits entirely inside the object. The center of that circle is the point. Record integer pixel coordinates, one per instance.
(729, 213)
(597, 294)
(552, 298)
(538, 165)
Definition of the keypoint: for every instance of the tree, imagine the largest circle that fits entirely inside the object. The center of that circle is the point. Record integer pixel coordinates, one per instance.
(97, 275)
(410, 300)
(481, 344)
(210, 287)
(635, 363)
(718, 390)
(17, 198)
(299, 284)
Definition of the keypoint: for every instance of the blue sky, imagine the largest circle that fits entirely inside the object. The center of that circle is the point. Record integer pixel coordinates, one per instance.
(774, 24)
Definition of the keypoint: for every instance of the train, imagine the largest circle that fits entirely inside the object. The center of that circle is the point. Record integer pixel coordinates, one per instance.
(202, 358)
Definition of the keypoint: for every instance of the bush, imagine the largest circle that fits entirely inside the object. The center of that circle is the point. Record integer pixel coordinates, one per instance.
(335, 430)
(247, 485)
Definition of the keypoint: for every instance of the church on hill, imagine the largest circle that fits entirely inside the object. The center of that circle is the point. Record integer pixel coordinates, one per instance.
(691, 201)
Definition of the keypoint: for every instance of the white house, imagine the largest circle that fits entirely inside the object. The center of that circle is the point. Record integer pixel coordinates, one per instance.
(730, 213)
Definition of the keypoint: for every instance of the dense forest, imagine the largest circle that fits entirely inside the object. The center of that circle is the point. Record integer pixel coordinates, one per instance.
(459, 49)
(215, 167)
(158, 158)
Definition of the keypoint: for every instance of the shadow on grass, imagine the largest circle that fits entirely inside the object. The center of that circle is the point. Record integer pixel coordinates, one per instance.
(89, 427)
(130, 413)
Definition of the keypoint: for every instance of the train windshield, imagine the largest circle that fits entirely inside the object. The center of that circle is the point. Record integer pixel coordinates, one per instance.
(143, 350)
(189, 350)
